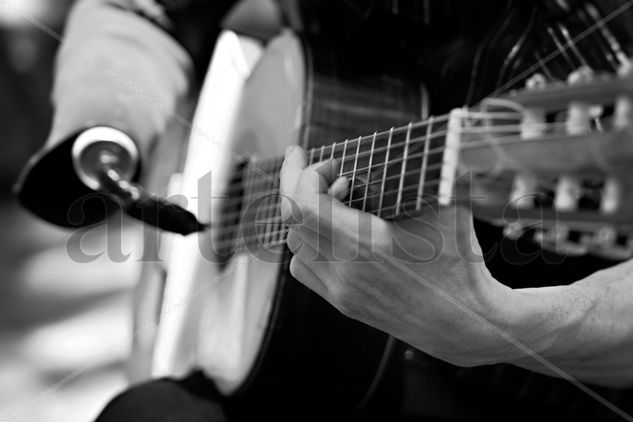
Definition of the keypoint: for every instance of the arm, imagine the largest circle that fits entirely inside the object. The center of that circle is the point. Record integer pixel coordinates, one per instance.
(424, 281)
(124, 64)
(585, 328)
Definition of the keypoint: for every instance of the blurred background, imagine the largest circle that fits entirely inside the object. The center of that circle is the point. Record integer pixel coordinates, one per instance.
(63, 325)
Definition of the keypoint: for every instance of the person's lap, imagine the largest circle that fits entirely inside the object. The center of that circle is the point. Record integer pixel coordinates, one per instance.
(193, 399)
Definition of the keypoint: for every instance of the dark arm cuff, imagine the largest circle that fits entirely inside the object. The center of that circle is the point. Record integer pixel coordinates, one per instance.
(49, 187)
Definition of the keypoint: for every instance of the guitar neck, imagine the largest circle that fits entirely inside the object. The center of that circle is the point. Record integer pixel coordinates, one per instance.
(392, 174)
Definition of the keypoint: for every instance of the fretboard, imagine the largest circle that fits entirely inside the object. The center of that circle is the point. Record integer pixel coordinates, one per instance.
(391, 174)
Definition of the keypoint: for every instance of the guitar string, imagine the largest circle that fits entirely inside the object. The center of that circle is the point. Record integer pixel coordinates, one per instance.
(262, 192)
(273, 164)
(275, 193)
(281, 230)
(238, 186)
(274, 206)
(514, 128)
(415, 125)
(583, 191)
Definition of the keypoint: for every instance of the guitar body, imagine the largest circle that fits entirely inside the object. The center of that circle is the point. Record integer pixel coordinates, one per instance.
(257, 332)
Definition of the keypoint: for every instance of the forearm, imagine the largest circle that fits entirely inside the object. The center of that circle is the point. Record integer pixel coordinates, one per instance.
(584, 329)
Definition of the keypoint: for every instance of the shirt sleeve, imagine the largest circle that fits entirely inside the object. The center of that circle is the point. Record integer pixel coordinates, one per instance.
(125, 64)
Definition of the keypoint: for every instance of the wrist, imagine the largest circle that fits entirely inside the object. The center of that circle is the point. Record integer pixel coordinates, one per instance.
(486, 335)
(536, 321)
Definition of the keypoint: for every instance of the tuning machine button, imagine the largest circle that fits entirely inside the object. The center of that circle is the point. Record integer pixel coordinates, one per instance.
(561, 240)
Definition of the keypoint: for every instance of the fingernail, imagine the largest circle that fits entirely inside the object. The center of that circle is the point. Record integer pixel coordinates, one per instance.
(289, 150)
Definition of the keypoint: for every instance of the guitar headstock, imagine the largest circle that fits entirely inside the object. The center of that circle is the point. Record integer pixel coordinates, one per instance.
(555, 161)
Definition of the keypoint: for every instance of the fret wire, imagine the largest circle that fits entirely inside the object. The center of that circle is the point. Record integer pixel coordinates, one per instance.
(403, 168)
(261, 181)
(398, 129)
(310, 160)
(429, 153)
(436, 120)
(428, 183)
(416, 125)
(384, 175)
(340, 173)
(435, 183)
(284, 231)
(391, 207)
(425, 160)
(276, 217)
(333, 148)
(371, 159)
(351, 186)
(322, 151)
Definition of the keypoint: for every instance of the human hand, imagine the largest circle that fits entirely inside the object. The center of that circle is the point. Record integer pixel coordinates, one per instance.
(422, 279)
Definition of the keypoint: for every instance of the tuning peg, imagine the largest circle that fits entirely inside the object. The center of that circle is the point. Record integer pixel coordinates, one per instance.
(623, 113)
(558, 239)
(606, 243)
(568, 192)
(524, 191)
(611, 196)
(551, 235)
(579, 113)
(536, 81)
(605, 237)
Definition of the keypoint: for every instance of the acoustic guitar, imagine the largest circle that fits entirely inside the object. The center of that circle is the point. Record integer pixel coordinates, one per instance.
(555, 153)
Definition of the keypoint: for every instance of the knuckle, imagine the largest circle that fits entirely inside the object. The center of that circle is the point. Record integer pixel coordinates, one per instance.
(381, 228)
(286, 209)
(290, 210)
(296, 267)
(293, 241)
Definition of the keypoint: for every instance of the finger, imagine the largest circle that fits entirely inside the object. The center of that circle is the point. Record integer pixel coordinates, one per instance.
(289, 175)
(339, 189)
(306, 250)
(328, 169)
(321, 211)
(308, 278)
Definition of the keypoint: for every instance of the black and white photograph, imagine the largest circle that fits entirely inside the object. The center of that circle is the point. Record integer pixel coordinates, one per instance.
(316, 210)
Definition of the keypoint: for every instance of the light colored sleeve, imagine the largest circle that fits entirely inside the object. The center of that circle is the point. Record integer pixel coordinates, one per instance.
(125, 64)
(117, 68)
